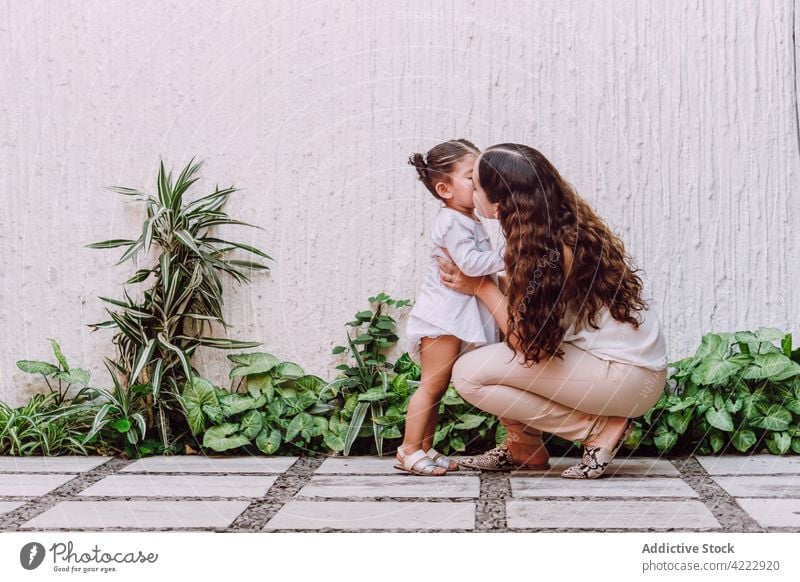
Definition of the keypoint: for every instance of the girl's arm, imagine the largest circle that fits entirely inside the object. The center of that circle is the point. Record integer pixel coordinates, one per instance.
(462, 248)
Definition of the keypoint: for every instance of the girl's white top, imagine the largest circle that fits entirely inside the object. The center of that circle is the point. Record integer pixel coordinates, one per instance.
(442, 311)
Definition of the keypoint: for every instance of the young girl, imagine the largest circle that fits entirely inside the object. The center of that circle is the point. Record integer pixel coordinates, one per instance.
(443, 324)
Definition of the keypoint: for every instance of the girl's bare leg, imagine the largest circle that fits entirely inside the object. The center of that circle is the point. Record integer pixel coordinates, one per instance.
(430, 429)
(438, 354)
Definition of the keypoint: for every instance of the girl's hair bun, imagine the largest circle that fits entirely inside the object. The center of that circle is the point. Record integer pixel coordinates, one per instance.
(439, 162)
(418, 161)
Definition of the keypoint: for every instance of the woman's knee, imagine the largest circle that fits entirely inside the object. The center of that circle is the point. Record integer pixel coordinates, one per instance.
(465, 374)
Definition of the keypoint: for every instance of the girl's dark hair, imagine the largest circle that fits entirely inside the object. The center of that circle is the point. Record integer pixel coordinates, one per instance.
(542, 217)
(439, 161)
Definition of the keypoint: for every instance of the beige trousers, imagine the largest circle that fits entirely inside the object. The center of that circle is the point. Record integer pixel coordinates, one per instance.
(571, 398)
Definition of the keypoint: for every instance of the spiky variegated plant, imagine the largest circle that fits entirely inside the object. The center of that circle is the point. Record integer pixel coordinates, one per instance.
(159, 332)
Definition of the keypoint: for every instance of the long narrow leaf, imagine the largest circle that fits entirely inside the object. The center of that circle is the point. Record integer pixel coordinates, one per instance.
(181, 356)
(142, 360)
(355, 425)
(110, 244)
(211, 239)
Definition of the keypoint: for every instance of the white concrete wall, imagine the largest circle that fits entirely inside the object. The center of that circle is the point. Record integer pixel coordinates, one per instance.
(676, 120)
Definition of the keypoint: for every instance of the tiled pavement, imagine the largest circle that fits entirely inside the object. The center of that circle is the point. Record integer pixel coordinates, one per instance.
(274, 494)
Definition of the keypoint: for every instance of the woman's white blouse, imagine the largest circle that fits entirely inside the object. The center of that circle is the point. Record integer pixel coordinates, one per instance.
(619, 341)
(442, 311)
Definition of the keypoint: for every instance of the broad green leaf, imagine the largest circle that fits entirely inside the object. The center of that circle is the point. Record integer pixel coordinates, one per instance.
(776, 418)
(196, 395)
(457, 443)
(391, 432)
(779, 443)
(75, 376)
(319, 425)
(224, 437)
(300, 424)
(256, 363)
(717, 441)
(717, 371)
(268, 441)
(288, 370)
(714, 345)
(35, 367)
(769, 334)
(468, 421)
(720, 419)
(743, 440)
(440, 434)
(774, 366)
(310, 383)
(685, 403)
(236, 403)
(251, 424)
(679, 420)
(122, 425)
(793, 405)
(333, 441)
(665, 441)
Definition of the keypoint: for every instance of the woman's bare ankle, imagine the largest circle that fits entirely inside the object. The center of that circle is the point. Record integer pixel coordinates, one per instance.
(526, 454)
(610, 434)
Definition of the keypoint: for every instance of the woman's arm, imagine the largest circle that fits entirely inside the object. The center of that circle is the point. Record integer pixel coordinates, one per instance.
(495, 301)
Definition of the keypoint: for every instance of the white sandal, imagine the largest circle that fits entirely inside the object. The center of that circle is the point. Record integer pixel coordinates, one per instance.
(418, 463)
(443, 461)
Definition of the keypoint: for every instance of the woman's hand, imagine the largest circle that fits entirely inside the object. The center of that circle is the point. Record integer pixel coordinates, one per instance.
(452, 277)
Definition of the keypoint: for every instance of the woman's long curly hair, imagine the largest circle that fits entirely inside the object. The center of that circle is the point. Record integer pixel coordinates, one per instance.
(541, 215)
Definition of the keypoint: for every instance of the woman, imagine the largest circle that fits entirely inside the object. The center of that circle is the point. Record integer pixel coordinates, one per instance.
(582, 354)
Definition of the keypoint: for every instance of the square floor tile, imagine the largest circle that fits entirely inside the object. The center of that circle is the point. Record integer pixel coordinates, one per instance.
(358, 466)
(598, 515)
(760, 485)
(391, 486)
(137, 514)
(6, 506)
(181, 486)
(603, 487)
(772, 512)
(749, 464)
(205, 464)
(25, 484)
(354, 515)
(65, 464)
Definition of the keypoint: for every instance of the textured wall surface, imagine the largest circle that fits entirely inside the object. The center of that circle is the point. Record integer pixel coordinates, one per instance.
(676, 120)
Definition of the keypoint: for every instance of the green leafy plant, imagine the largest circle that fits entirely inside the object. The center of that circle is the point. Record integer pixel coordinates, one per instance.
(45, 426)
(119, 412)
(158, 333)
(60, 372)
(739, 389)
(280, 404)
(363, 386)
